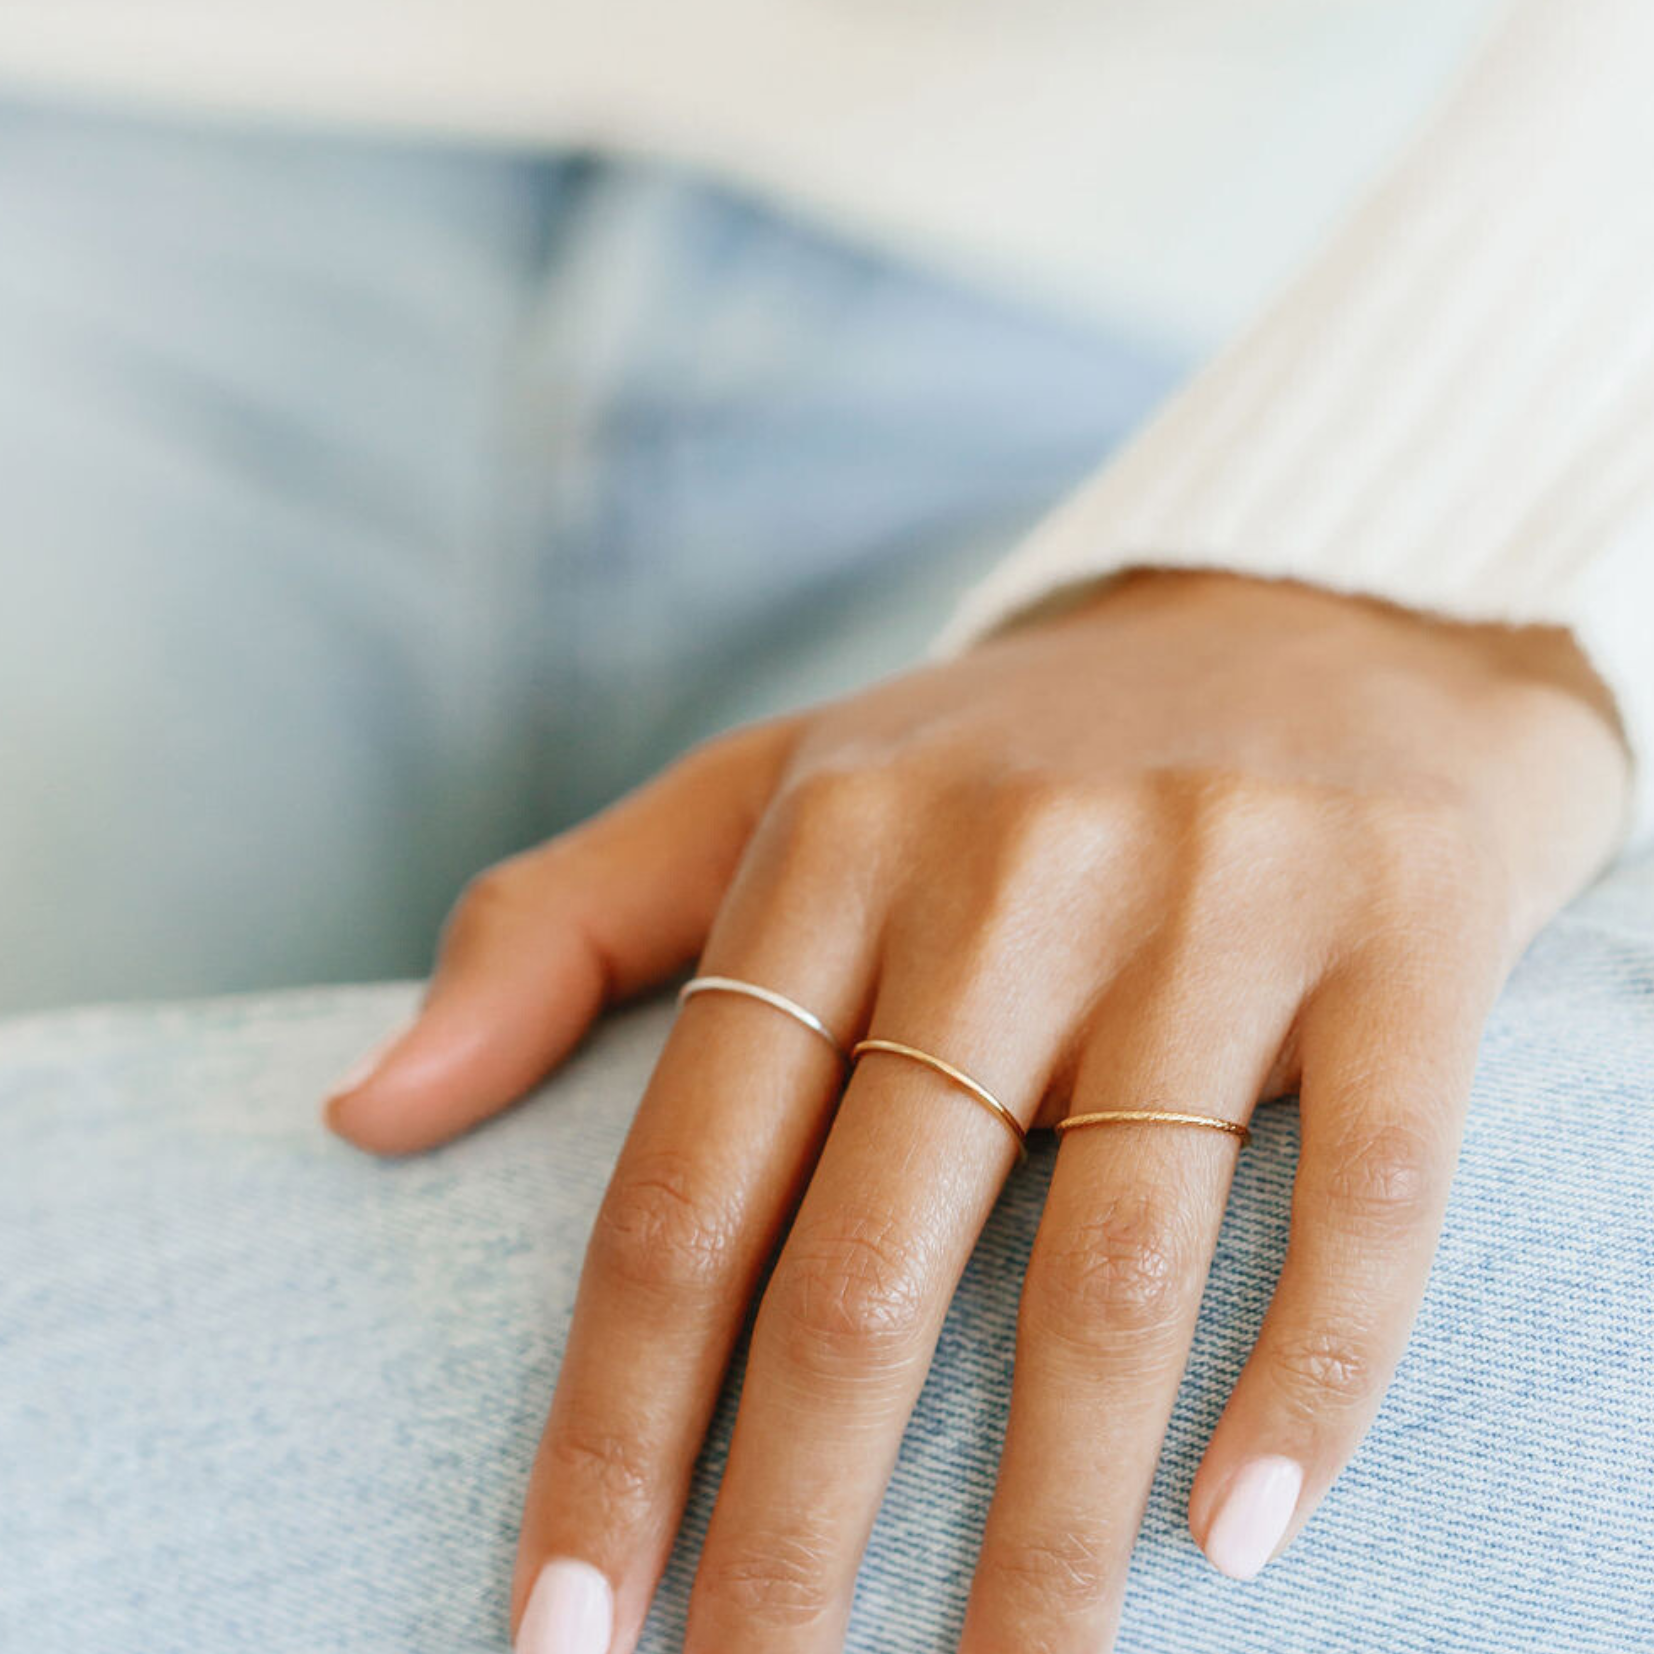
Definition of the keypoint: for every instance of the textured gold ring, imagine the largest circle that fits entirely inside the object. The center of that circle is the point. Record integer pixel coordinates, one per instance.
(976, 1092)
(765, 996)
(1153, 1117)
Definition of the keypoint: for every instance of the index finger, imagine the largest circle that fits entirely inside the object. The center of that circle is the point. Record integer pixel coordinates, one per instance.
(731, 1123)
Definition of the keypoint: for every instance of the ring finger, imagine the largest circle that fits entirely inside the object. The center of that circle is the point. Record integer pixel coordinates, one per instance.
(1108, 1311)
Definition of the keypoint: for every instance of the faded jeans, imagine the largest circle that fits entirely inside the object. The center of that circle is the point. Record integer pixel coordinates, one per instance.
(259, 1391)
(369, 510)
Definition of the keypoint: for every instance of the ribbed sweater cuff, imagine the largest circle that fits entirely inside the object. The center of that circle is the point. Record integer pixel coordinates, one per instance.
(1453, 409)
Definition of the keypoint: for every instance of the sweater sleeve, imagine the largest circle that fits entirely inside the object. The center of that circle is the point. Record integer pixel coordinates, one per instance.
(1453, 407)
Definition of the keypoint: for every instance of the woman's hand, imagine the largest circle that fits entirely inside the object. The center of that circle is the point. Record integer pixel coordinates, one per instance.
(1203, 842)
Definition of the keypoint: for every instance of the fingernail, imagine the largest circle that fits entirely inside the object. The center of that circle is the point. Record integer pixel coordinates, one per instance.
(570, 1611)
(1253, 1516)
(362, 1070)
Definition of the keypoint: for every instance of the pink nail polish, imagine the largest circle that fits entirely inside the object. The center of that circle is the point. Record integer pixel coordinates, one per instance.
(361, 1071)
(571, 1611)
(1256, 1510)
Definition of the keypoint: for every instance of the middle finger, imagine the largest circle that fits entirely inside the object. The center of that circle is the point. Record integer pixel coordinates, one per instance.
(846, 1331)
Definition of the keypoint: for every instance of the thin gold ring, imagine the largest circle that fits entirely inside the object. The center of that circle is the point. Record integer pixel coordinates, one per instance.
(765, 996)
(1153, 1116)
(977, 1093)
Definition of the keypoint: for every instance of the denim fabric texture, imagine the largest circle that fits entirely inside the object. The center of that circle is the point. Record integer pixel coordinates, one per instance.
(371, 510)
(257, 1391)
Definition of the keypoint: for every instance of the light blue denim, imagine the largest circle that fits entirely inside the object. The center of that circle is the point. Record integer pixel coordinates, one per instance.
(259, 1392)
(368, 510)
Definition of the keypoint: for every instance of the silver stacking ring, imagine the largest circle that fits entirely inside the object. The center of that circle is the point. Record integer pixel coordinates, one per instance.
(765, 996)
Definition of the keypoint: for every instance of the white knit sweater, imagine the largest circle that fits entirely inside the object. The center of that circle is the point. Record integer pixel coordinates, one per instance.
(1160, 162)
(1452, 407)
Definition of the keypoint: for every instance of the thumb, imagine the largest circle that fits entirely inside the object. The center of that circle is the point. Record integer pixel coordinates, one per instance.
(539, 944)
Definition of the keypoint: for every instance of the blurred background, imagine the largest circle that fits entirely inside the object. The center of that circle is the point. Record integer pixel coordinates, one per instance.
(399, 460)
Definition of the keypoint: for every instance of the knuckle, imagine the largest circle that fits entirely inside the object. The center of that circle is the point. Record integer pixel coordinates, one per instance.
(1044, 821)
(1419, 854)
(606, 1466)
(1121, 1271)
(817, 814)
(1320, 1366)
(500, 892)
(849, 1292)
(1429, 864)
(774, 1580)
(1212, 802)
(1027, 855)
(1388, 1178)
(660, 1229)
(1049, 835)
(1233, 821)
(1051, 1575)
(1226, 837)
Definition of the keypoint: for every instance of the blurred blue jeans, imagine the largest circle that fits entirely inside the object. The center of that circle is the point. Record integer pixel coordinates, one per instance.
(370, 509)
(259, 1392)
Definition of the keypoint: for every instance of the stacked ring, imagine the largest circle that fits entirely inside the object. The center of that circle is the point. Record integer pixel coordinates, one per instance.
(765, 996)
(974, 1090)
(1152, 1116)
